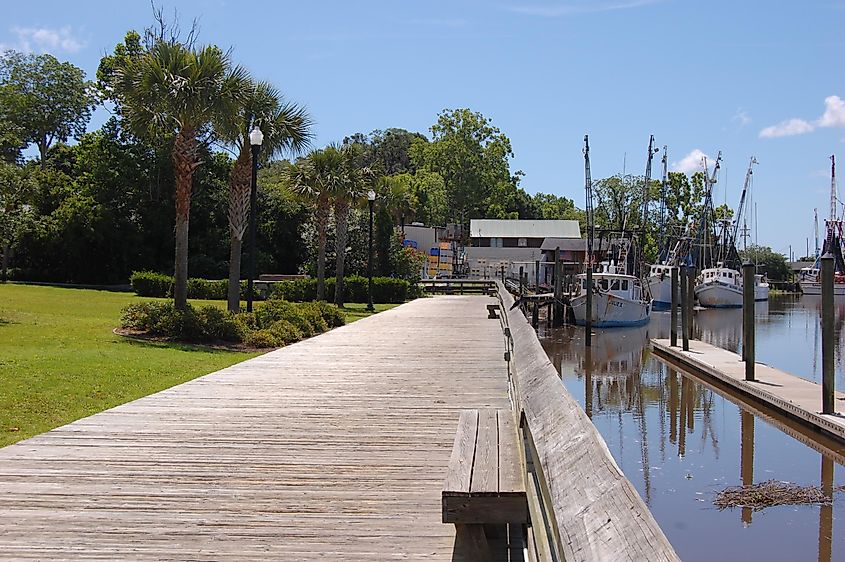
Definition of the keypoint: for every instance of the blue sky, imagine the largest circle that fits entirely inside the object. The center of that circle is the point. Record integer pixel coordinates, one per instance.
(748, 78)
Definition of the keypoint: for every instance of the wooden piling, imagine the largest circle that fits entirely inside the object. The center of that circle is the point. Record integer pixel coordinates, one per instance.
(673, 312)
(748, 319)
(588, 317)
(558, 293)
(828, 336)
(521, 286)
(685, 308)
(690, 301)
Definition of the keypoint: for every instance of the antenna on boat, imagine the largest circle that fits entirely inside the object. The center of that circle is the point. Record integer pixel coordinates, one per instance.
(588, 188)
(816, 221)
(663, 188)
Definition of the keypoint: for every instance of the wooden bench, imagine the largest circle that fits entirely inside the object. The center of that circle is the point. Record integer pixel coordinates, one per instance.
(484, 485)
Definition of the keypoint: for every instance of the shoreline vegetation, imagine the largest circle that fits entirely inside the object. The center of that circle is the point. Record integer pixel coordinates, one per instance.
(60, 359)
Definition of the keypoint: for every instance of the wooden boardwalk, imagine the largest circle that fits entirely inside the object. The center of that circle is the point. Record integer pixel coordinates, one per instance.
(332, 448)
(786, 393)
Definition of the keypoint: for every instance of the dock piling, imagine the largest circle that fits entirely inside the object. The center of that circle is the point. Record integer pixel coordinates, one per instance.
(690, 300)
(558, 306)
(521, 278)
(748, 270)
(828, 406)
(673, 313)
(685, 309)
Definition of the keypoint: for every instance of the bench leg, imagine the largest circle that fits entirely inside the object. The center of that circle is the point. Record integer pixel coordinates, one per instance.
(471, 543)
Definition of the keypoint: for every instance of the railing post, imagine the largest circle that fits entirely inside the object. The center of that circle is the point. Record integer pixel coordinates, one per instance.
(521, 287)
(828, 405)
(537, 276)
(685, 309)
(673, 311)
(748, 319)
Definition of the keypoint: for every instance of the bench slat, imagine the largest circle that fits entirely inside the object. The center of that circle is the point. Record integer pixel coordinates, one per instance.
(458, 478)
(510, 469)
(485, 472)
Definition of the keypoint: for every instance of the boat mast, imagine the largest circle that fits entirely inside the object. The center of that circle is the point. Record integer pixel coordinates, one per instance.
(588, 188)
(816, 224)
(639, 262)
(741, 207)
(661, 242)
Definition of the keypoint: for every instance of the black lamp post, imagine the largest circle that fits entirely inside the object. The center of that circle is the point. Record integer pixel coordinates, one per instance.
(256, 137)
(371, 198)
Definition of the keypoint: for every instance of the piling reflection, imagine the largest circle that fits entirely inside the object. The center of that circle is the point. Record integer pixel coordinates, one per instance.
(680, 441)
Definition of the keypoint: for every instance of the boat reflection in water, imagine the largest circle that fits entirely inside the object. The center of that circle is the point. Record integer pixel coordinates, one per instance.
(681, 441)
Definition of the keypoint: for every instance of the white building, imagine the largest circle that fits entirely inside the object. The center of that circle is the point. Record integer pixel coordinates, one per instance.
(496, 244)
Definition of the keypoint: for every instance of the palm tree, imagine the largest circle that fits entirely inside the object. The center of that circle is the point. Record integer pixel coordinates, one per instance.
(316, 177)
(286, 127)
(355, 180)
(175, 91)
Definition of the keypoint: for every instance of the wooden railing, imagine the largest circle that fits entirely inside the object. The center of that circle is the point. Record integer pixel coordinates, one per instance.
(582, 506)
(459, 286)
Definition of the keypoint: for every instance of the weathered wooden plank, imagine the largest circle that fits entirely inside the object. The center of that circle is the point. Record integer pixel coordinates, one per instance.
(485, 470)
(333, 448)
(510, 465)
(463, 455)
(594, 512)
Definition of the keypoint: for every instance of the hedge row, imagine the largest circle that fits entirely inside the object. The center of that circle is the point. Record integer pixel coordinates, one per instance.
(385, 290)
(152, 284)
(273, 324)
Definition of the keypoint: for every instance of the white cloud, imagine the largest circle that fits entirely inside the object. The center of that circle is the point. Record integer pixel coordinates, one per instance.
(692, 162)
(741, 117)
(45, 40)
(568, 9)
(834, 116)
(834, 112)
(787, 128)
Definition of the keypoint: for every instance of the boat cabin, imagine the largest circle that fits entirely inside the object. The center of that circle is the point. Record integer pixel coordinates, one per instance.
(622, 286)
(722, 275)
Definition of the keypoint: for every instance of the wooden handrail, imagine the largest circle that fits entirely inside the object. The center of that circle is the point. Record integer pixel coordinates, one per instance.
(589, 509)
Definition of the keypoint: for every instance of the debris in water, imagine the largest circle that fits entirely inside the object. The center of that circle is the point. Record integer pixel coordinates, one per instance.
(772, 493)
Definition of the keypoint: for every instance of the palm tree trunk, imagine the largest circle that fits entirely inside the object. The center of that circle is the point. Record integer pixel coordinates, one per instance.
(321, 217)
(341, 215)
(234, 289)
(185, 163)
(239, 189)
(5, 265)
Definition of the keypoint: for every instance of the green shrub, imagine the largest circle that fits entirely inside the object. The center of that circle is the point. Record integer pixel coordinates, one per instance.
(285, 332)
(330, 313)
(385, 290)
(208, 290)
(261, 338)
(218, 324)
(151, 284)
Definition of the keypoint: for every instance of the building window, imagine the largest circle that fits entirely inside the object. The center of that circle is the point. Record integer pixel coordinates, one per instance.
(496, 242)
(522, 242)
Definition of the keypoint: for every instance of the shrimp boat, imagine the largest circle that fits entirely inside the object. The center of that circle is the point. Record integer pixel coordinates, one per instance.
(809, 278)
(618, 299)
(722, 286)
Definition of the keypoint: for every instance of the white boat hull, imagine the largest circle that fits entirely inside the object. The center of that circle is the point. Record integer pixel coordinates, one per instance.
(716, 294)
(660, 287)
(611, 311)
(815, 288)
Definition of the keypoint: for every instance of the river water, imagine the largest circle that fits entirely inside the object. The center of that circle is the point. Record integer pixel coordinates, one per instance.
(681, 441)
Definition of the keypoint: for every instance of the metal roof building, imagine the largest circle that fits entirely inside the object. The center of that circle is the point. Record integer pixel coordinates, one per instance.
(497, 228)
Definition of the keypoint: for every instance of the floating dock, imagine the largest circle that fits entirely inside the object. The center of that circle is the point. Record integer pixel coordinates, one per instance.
(798, 398)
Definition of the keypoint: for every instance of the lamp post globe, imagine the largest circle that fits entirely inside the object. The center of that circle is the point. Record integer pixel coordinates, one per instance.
(256, 138)
(371, 198)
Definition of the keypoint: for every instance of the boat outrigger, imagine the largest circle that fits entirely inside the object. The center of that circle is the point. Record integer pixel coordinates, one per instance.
(810, 277)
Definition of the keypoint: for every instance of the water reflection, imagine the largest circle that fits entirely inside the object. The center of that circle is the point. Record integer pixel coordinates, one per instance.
(680, 441)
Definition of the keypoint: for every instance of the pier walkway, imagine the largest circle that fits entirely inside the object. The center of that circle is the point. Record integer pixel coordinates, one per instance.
(332, 448)
(791, 395)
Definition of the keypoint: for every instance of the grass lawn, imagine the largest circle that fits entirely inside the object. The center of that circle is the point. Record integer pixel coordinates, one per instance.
(60, 361)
